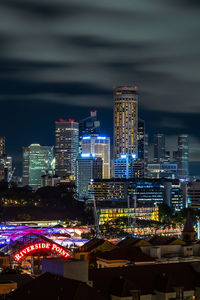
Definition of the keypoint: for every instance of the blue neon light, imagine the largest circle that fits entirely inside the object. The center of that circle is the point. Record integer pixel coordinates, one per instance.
(88, 155)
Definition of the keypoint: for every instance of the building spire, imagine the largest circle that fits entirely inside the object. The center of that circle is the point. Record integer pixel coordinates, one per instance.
(188, 233)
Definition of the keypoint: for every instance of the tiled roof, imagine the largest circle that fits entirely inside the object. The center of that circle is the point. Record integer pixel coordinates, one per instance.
(129, 241)
(161, 240)
(92, 244)
(133, 254)
(53, 287)
(146, 278)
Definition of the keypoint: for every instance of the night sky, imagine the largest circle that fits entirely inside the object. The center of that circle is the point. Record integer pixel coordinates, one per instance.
(61, 58)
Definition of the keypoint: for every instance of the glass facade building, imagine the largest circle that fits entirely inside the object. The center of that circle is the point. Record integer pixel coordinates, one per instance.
(159, 148)
(66, 147)
(88, 167)
(127, 166)
(183, 156)
(37, 161)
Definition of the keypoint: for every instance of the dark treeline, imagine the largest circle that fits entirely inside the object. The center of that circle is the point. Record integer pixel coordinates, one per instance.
(57, 202)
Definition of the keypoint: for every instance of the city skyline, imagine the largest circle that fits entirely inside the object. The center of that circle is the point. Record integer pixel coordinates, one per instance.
(62, 59)
(171, 141)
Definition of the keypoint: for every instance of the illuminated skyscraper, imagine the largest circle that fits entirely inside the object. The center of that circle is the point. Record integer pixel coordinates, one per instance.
(37, 161)
(125, 121)
(100, 147)
(127, 166)
(142, 145)
(25, 166)
(183, 156)
(159, 148)
(2, 145)
(89, 125)
(88, 167)
(66, 147)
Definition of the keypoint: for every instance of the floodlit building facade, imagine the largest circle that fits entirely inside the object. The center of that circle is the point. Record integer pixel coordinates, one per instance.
(100, 147)
(127, 166)
(125, 139)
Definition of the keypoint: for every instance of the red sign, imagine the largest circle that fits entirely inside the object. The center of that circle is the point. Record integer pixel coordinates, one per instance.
(41, 246)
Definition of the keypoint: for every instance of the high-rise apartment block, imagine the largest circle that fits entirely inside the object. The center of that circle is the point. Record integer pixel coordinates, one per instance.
(66, 147)
(125, 121)
(159, 148)
(183, 156)
(100, 147)
(37, 161)
(88, 167)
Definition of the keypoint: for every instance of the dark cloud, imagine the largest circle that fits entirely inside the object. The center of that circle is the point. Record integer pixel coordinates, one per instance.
(39, 10)
(69, 55)
(189, 4)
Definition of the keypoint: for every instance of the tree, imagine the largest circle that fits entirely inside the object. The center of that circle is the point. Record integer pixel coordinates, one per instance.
(165, 212)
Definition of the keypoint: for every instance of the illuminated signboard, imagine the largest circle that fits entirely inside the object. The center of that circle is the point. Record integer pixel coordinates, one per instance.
(41, 246)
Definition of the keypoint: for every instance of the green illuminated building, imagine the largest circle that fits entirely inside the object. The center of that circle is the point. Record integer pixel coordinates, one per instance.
(37, 161)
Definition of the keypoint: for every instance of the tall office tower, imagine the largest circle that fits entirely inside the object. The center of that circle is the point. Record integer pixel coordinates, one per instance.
(142, 145)
(159, 148)
(37, 161)
(125, 121)
(100, 147)
(25, 166)
(89, 125)
(175, 157)
(167, 156)
(183, 156)
(88, 167)
(2, 145)
(66, 147)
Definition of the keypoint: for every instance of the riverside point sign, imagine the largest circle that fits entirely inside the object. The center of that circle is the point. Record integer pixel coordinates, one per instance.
(54, 248)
